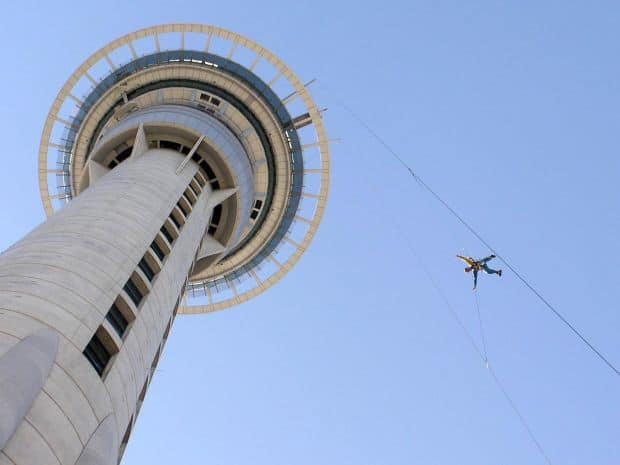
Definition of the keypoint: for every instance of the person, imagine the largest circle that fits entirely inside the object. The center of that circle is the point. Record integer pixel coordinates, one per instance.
(477, 265)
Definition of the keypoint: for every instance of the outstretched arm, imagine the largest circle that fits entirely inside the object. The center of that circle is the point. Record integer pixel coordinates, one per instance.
(470, 261)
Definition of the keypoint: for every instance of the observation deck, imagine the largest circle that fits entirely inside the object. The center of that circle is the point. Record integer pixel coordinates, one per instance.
(226, 103)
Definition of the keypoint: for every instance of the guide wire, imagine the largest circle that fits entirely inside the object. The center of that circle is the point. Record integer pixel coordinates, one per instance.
(481, 353)
(484, 344)
(420, 181)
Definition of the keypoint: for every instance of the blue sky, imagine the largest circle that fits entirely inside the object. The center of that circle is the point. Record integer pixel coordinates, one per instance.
(510, 111)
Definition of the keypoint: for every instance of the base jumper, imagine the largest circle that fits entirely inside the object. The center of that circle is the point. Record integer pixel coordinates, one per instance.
(477, 265)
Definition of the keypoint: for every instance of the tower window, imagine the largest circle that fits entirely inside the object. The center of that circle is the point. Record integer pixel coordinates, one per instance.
(157, 249)
(195, 187)
(200, 178)
(205, 166)
(167, 234)
(217, 214)
(190, 196)
(133, 292)
(97, 354)
(124, 155)
(175, 221)
(146, 269)
(167, 144)
(183, 208)
(117, 320)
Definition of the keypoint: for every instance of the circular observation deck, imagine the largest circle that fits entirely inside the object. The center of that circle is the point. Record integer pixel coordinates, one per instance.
(249, 122)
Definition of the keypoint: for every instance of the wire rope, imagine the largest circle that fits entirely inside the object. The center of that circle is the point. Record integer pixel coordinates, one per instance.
(482, 354)
(484, 344)
(455, 214)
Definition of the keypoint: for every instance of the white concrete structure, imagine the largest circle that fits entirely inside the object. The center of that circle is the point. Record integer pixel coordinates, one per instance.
(187, 182)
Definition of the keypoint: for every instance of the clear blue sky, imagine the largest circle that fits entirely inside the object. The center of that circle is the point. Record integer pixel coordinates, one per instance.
(510, 111)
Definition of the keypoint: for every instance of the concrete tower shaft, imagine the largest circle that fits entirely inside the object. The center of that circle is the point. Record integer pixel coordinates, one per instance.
(192, 172)
(106, 274)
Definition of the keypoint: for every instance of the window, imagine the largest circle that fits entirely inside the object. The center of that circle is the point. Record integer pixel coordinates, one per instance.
(190, 196)
(254, 214)
(146, 269)
(183, 208)
(175, 221)
(205, 166)
(195, 187)
(124, 155)
(217, 214)
(167, 234)
(167, 144)
(201, 180)
(117, 320)
(97, 354)
(160, 253)
(133, 292)
(187, 198)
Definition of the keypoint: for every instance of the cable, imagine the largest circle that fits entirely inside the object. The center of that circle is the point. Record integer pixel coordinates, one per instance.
(479, 237)
(481, 353)
(484, 344)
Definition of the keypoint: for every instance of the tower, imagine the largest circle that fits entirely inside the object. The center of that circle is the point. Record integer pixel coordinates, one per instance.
(191, 172)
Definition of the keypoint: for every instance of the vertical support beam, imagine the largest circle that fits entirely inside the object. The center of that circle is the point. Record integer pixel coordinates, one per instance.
(190, 155)
(133, 51)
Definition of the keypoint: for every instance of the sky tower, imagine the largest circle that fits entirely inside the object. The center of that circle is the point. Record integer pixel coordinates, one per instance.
(183, 169)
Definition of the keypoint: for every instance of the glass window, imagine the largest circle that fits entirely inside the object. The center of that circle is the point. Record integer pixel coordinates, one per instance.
(175, 221)
(117, 320)
(188, 198)
(146, 269)
(160, 253)
(195, 188)
(133, 292)
(183, 208)
(97, 354)
(167, 234)
(217, 214)
(200, 179)
(189, 195)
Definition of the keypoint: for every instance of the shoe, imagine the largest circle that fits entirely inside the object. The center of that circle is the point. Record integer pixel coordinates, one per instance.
(493, 256)
(499, 273)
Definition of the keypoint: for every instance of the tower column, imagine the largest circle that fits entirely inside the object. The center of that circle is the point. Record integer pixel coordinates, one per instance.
(106, 274)
(180, 174)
